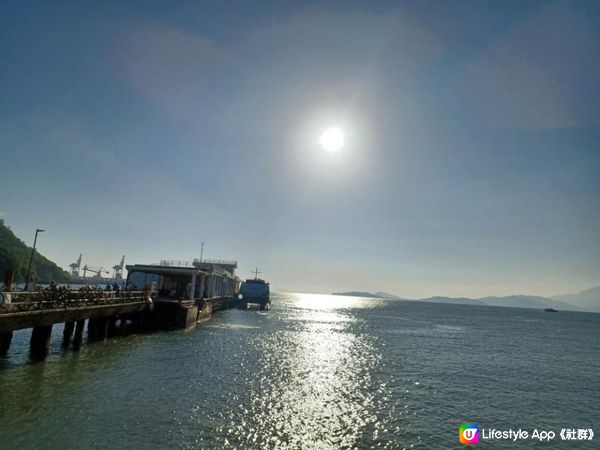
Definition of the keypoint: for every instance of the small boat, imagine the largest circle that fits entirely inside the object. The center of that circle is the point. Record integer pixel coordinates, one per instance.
(550, 310)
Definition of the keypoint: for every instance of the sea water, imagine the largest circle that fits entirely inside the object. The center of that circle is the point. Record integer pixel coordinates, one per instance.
(313, 372)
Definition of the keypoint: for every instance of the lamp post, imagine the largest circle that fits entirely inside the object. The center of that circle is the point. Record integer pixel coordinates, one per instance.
(31, 258)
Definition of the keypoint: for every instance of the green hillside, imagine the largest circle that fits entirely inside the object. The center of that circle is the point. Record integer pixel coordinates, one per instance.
(14, 254)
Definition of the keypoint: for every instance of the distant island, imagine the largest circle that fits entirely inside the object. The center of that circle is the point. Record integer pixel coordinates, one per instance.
(368, 294)
(588, 300)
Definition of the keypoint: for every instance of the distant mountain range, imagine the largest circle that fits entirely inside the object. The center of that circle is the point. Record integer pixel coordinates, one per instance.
(588, 300)
(378, 294)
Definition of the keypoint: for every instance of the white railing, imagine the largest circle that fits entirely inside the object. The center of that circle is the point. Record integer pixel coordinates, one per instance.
(194, 263)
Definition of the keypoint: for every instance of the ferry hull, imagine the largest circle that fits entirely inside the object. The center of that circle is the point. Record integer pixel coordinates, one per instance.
(255, 292)
(262, 302)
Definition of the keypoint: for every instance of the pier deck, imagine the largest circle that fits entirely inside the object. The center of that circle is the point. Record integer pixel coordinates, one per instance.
(105, 311)
(28, 310)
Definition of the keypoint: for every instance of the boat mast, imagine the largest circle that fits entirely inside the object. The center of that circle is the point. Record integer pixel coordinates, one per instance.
(256, 272)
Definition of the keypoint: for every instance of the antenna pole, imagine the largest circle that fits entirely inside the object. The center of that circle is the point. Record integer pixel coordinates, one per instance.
(201, 251)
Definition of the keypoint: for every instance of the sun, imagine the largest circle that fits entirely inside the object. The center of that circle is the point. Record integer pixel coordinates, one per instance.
(332, 139)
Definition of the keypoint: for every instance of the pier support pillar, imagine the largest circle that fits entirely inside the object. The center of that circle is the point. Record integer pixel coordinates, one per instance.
(40, 341)
(91, 329)
(206, 311)
(67, 333)
(102, 329)
(188, 317)
(193, 287)
(111, 327)
(202, 283)
(78, 336)
(5, 339)
(123, 325)
(97, 329)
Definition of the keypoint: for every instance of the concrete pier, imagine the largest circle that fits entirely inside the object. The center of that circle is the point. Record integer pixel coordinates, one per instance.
(28, 310)
(5, 339)
(40, 341)
(78, 336)
(108, 316)
(174, 314)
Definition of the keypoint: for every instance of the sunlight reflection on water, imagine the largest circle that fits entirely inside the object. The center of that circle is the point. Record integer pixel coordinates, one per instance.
(321, 302)
(315, 387)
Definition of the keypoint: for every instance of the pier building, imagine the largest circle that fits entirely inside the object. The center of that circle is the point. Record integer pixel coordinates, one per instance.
(190, 280)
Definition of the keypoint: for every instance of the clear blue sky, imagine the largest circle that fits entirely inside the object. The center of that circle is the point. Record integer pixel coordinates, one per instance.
(472, 156)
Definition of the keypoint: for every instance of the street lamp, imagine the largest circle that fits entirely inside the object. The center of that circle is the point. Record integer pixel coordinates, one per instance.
(31, 258)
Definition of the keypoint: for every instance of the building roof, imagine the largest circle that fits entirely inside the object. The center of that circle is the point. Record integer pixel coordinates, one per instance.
(160, 269)
(164, 270)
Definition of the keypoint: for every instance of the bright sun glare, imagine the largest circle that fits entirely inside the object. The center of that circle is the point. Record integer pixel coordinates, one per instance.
(332, 139)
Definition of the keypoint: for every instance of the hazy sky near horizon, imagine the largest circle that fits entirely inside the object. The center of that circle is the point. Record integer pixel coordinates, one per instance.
(472, 157)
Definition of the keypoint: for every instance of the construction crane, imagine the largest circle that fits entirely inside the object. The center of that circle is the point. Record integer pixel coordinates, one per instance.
(75, 267)
(97, 271)
(118, 269)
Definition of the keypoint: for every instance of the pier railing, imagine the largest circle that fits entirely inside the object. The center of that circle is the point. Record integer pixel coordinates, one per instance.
(194, 263)
(64, 298)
